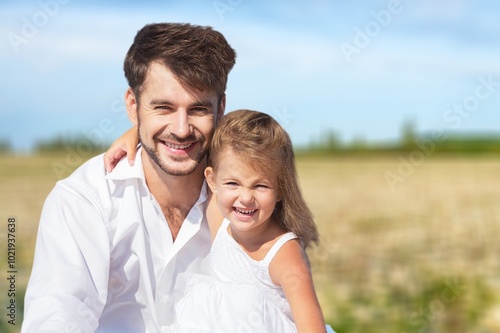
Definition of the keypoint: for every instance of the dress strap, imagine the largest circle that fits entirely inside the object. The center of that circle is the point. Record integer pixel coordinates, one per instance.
(276, 246)
(223, 228)
(225, 223)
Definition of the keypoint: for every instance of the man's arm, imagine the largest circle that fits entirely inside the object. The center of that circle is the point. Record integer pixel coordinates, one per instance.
(68, 284)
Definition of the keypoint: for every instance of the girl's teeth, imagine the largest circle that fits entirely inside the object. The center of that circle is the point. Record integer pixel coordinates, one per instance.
(245, 212)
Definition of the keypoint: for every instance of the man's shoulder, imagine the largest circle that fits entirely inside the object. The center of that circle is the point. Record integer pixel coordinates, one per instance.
(91, 171)
(87, 180)
(92, 181)
(86, 188)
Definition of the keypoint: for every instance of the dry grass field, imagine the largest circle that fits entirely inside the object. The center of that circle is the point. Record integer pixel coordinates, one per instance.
(419, 256)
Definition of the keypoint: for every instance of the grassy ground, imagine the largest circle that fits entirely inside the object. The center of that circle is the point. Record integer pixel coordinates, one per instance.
(419, 254)
(25, 181)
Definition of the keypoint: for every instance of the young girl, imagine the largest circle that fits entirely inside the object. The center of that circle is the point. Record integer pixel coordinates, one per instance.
(260, 280)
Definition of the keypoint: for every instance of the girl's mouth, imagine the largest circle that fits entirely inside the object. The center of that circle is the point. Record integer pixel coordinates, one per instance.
(246, 212)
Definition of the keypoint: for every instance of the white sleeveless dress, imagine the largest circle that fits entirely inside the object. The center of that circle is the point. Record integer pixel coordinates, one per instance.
(238, 296)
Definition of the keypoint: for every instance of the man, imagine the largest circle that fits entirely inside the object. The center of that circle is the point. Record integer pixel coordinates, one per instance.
(112, 249)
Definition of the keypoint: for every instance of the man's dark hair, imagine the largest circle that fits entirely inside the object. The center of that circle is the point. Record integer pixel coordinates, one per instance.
(198, 56)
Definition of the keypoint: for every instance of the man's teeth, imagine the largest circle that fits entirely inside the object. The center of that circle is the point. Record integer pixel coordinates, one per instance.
(245, 212)
(177, 146)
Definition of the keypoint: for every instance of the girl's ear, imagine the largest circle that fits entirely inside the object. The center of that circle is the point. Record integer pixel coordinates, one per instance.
(210, 177)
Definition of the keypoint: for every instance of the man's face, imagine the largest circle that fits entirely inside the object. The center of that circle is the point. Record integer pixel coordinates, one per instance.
(175, 125)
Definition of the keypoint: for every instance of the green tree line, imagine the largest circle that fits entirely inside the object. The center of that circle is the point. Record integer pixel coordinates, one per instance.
(328, 143)
(437, 142)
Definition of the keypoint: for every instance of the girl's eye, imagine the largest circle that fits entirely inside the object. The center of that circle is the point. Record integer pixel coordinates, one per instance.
(231, 184)
(262, 186)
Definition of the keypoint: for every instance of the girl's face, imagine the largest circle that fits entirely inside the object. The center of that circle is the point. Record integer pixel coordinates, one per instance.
(246, 196)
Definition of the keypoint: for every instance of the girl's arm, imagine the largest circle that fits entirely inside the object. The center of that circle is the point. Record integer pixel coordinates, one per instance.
(290, 269)
(125, 145)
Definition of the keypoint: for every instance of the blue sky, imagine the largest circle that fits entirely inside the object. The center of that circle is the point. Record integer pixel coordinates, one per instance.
(360, 68)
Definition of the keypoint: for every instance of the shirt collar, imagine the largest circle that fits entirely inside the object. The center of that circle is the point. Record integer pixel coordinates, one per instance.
(203, 194)
(123, 170)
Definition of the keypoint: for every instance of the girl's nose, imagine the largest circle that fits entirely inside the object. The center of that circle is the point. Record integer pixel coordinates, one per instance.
(246, 196)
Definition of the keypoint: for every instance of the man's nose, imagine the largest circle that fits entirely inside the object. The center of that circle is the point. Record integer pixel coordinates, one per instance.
(180, 126)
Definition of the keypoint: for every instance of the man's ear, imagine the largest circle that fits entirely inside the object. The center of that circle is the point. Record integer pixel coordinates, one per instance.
(131, 105)
(222, 108)
(210, 177)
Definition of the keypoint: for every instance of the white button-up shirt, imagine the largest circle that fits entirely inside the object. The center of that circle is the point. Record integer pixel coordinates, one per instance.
(105, 260)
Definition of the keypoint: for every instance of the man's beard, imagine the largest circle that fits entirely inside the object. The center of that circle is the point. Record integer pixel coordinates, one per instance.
(169, 169)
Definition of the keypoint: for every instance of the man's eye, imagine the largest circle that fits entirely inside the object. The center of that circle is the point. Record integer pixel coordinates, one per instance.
(163, 108)
(200, 110)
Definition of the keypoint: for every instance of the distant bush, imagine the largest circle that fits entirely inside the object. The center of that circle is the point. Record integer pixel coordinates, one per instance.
(5, 146)
(410, 140)
(470, 144)
(62, 144)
